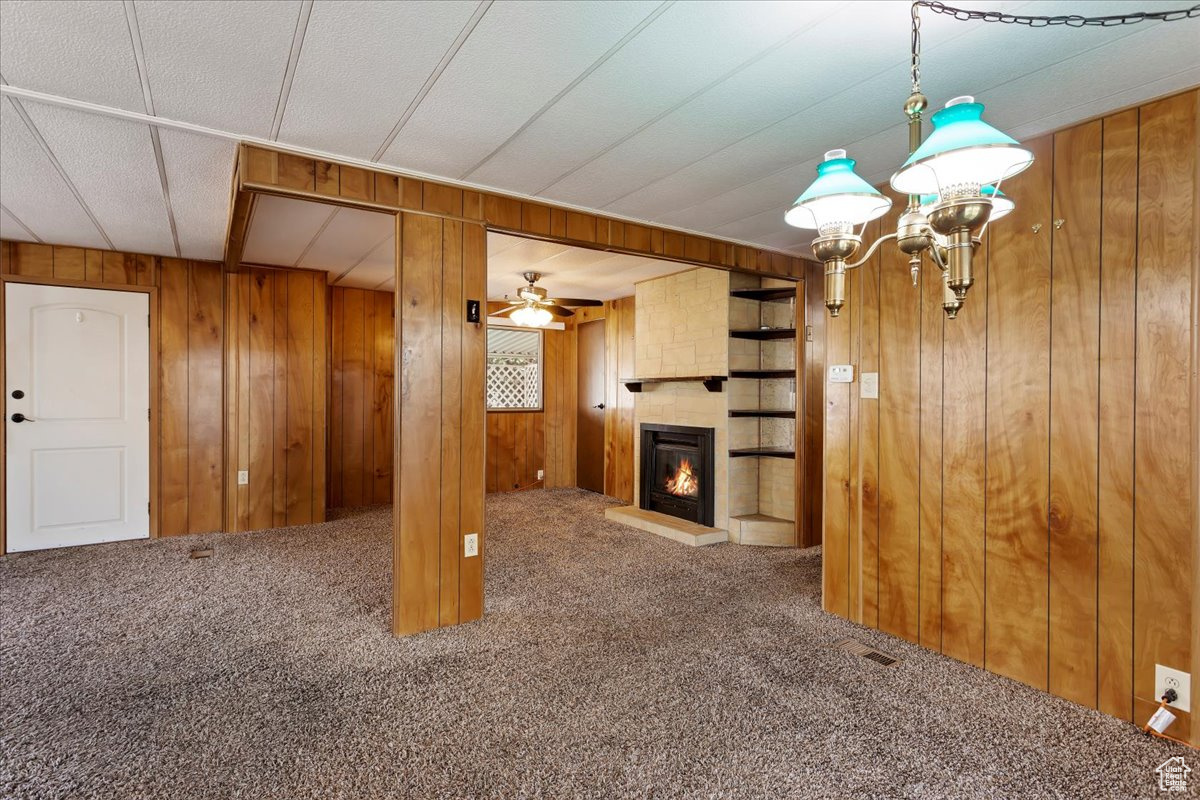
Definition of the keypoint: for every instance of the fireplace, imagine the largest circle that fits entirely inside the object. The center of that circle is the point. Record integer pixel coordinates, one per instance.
(677, 471)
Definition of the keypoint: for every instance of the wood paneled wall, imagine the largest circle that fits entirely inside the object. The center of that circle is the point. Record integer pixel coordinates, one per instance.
(618, 411)
(276, 393)
(362, 381)
(189, 306)
(439, 441)
(1022, 494)
(516, 450)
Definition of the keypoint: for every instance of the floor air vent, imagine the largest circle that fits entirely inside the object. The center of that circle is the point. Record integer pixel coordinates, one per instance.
(860, 649)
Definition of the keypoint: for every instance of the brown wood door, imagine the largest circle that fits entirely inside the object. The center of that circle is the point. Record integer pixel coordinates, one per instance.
(590, 446)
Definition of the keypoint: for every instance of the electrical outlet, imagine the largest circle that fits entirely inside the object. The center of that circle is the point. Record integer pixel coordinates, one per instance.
(869, 386)
(541, 474)
(471, 545)
(243, 477)
(1167, 678)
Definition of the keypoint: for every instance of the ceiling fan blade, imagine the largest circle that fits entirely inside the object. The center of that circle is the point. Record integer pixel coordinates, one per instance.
(573, 301)
(504, 312)
(558, 310)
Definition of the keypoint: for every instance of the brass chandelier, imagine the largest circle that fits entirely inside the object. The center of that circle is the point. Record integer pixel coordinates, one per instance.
(952, 179)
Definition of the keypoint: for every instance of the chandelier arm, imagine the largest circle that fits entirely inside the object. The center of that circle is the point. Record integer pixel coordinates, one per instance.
(871, 250)
(934, 253)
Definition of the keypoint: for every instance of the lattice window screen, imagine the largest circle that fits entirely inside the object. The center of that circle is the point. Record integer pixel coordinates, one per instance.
(512, 385)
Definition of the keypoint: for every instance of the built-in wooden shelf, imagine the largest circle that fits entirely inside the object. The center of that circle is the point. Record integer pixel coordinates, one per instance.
(762, 374)
(765, 452)
(711, 382)
(779, 413)
(762, 334)
(777, 295)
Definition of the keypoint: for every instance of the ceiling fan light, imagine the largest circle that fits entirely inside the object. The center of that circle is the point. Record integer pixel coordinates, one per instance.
(962, 154)
(837, 197)
(531, 317)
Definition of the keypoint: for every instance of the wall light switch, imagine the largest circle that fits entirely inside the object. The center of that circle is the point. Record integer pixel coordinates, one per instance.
(243, 477)
(471, 545)
(1167, 678)
(841, 373)
(541, 474)
(869, 386)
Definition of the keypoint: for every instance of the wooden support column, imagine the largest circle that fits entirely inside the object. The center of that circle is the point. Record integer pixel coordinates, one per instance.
(439, 475)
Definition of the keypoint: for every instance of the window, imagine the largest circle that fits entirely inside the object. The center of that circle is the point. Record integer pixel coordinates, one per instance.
(514, 369)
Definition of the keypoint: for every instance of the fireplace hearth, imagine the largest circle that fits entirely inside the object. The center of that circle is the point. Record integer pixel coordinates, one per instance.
(677, 471)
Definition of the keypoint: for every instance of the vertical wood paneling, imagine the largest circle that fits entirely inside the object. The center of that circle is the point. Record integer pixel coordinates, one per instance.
(1068, 422)
(173, 398)
(868, 433)
(899, 443)
(1118, 292)
(260, 387)
(474, 346)
(1074, 412)
(354, 383)
(279, 421)
(964, 490)
(1164, 465)
(452, 407)
(301, 394)
(416, 580)
(930, 468)
(383, 409)
(836, 502)
(205, 408)
(1018, 403)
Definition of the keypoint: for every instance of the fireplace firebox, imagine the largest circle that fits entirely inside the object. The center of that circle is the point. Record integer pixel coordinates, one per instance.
(677, 471)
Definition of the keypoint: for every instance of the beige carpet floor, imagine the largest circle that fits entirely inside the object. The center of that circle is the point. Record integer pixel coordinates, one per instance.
(610, 664)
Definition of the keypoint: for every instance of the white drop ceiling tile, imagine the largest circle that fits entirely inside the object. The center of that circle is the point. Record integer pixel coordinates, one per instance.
(376, 267)
(361, 65)
(11, 229)
(80, 50)
(198, 173)
(112, 164)
(32, 189)
(281, 228)
(219, 64)
(350, 236)
(519, 57)
(573, 271)
(688, 47)
(526, 255)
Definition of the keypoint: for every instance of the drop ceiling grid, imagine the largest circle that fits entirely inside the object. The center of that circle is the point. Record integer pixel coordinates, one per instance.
(198, 170)
(230, 77)
(124, 193)
(80, 50)
(360, 45)
(347, 239)
(32, 189)
(519, 56)
(376, 267)
(654, 72)
(281, 229)
(12, 228)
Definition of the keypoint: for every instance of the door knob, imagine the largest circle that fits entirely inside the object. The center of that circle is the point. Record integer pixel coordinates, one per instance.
(599, 405)
(19, 417)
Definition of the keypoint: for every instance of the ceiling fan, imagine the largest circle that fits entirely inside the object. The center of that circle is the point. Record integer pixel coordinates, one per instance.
(533, 309)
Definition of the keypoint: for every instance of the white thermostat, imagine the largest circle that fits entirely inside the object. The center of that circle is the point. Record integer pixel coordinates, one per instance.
(841, 373)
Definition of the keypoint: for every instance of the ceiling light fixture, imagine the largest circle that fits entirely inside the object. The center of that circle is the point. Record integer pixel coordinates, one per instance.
(952, 179)
(531, 316)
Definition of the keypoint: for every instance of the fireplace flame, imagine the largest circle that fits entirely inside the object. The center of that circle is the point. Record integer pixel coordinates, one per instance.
(684, 483)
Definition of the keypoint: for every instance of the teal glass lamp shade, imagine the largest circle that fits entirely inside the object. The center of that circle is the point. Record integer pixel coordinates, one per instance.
(1002, 204)
(837, 197)
(963, 154)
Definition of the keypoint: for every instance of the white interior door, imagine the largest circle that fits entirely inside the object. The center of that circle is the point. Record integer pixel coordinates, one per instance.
(78, 416)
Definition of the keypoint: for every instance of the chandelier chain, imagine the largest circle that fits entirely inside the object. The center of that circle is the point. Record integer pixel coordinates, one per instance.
(1070, 20)
(916, 49)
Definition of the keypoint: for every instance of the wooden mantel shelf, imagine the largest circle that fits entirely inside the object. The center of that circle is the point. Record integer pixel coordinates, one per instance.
(711, 382)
